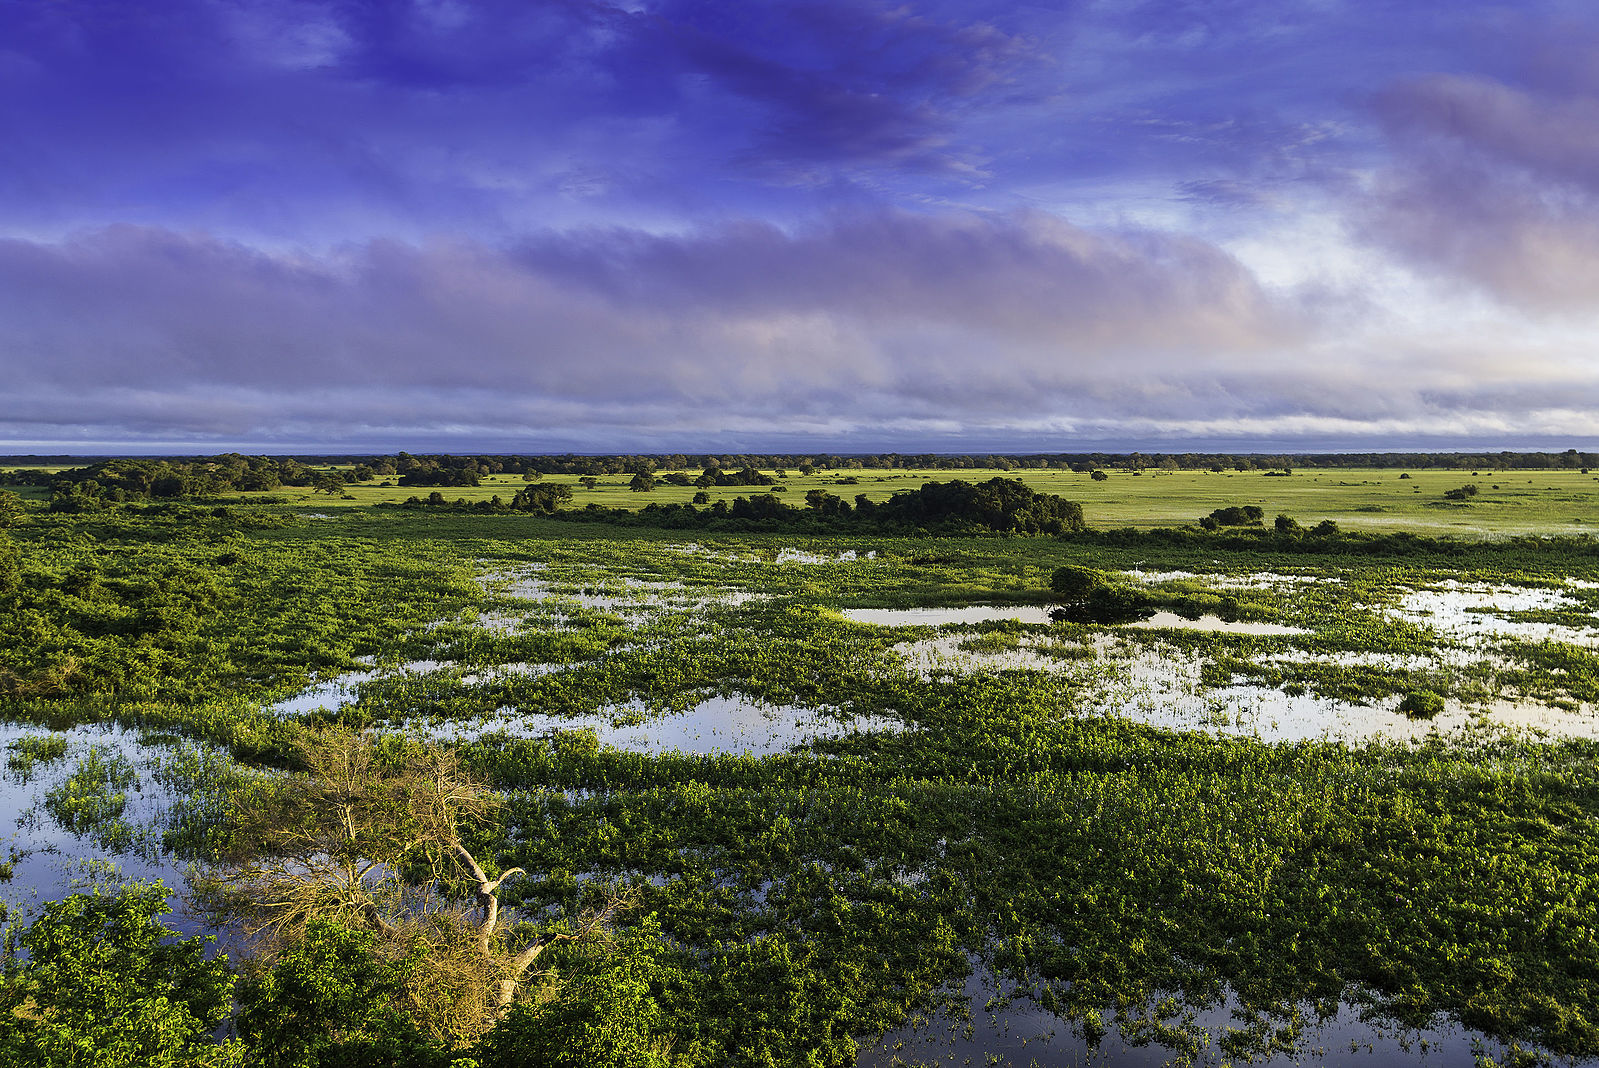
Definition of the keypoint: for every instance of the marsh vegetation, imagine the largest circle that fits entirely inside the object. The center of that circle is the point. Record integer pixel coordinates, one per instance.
(822, 788)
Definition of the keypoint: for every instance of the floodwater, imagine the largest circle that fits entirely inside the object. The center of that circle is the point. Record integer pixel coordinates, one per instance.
(1020, 1033)
(941, 617)
(731, 725)
(633, 599)
(938, 617)
(49, 859)
(1214, 624)
(1161, 684)
(1469, 613)
(334, 694)
(1259, 580)
(796, 556)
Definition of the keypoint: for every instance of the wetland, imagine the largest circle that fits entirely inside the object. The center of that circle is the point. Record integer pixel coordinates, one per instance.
(872, 802)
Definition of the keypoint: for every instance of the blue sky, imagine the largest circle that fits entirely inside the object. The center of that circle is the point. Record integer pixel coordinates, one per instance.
(680, 225)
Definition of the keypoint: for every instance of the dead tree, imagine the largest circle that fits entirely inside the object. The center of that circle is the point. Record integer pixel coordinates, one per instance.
(369, 836)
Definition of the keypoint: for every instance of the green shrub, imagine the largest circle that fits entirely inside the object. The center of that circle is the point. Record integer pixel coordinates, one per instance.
(1421, 704)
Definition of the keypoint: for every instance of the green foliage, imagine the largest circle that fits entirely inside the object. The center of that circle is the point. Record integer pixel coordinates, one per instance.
(1249, 515)
(92, 799)
(105, 985)
(1089, 595)
(543, 499)
(34, 749)
(195, 607)
(999, 505)
(1421, 704)
(10, 567)
(331, 999)
(812, 897)
(603, 1013)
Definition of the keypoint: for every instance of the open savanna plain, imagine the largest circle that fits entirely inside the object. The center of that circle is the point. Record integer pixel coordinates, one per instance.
(1335, 801)
(1547, 501)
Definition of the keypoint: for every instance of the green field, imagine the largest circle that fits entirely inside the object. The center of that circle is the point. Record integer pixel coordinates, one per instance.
(828, 824)
(1508, 502)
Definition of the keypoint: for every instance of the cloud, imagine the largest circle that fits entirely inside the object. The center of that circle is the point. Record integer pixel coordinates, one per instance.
(1493, 184)
(874, 327)
(866, 318)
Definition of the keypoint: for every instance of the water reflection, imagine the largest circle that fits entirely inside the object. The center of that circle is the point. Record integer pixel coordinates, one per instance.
(732, 725)
(991, 1031)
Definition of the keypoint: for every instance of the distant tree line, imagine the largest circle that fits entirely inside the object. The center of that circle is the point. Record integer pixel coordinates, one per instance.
(1000, 504)
(146, 478)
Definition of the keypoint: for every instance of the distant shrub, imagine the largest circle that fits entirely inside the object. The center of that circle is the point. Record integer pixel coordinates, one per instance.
(1248, 515)
(1463, 493)
(1089, 595)
(1421, 704)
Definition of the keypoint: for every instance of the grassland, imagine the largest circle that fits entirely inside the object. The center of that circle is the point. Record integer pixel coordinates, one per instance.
(1552, 501)
(1508, 502)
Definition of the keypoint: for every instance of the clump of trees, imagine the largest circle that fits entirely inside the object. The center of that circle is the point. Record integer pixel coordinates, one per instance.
(1088, 595)
(744, 476)
(998, 505)
(1248, 515)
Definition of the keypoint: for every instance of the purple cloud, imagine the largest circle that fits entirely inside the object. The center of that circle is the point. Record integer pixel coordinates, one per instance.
(918, 312)
(589, 217)
(1495, 184)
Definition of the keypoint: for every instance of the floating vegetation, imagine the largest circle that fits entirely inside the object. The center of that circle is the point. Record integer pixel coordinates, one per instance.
(31, 750)
(860, 781)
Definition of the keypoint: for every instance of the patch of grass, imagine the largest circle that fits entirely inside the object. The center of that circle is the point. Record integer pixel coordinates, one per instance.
(32, 750)
(93, 799)
(1422, 704)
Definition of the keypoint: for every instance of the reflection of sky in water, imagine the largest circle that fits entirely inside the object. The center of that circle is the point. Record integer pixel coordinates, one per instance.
(53, 857)
(1022, 1034)
(938, 617)
(1160, 685)
(1465, 612)
(1034, 614)
(732, 725)
(1213, 624)
(628, 597)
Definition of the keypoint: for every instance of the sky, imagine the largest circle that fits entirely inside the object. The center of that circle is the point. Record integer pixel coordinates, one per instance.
(707, 225)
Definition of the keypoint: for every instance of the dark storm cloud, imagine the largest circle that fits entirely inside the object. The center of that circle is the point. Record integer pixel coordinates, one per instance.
(841, 85)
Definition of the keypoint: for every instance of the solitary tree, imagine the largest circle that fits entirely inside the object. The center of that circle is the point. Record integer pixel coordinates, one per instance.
(370, 838)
